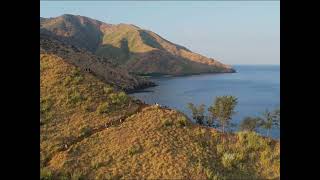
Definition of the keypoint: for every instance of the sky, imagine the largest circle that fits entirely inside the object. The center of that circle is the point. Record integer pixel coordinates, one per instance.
(233, 32)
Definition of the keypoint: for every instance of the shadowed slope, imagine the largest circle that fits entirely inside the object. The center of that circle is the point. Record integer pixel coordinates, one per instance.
(132, 47)
(99, 66)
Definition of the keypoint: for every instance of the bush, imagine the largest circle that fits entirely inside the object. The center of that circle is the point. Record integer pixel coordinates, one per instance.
(74, 98)
(45, 105)
(74, 78)
(250, 140)
(108, 89)
(45, 110)
(103, 108)
(167, 123)
(119, 98)
(228, 160)
(85, 131)
(78, 79)
(67, 81)
(134, 150)
(45, 174)
(182, 121)
(77, 175)
(249, 124)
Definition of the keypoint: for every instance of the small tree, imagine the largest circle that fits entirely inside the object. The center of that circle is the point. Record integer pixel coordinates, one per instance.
(197, 112)
(277, 117)
(270, 120)
(250, 124)
(222, 110)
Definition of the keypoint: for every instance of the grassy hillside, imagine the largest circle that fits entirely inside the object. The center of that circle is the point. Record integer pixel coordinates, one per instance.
(89, 130)
(139, 51)
(101, 67)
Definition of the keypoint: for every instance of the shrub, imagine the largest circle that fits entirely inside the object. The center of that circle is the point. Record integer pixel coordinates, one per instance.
(45, 107)
(85, 131)
(167, 123)
(249, 124)
(74, 98)
(134, 150)
(107, 89)
(75, 72)
(78, 79)
(63, 176)
(250, 140)
(103, 108)
(45, 174)
(228, 160)
(220, 148)
(197, 112)
(77, 175)
(74, 78)
(182, 121)
(43, 66)
(211, 175)
(67, 81)
(119, 98)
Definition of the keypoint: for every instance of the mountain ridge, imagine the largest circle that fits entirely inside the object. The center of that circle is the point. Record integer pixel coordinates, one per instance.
(139, 51)
(86, 61)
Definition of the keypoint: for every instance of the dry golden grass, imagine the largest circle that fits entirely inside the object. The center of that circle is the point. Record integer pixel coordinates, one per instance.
(69, 99)
(149, 143)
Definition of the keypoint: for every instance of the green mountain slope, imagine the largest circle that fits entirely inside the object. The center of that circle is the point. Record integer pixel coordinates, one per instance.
(138, 50)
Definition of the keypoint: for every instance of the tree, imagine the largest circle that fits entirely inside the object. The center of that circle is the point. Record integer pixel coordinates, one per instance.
(197, 112)
(250, 124)
(270, 120)
(222, 110)
(277, 117)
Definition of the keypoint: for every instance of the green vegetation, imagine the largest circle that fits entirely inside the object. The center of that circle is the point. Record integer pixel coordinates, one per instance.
(103, 108)
(197, 112)
(270, 120)
(108, 89)
(167, 123)
(222, 110)
(74, 98)
(114, 101)
(250, 124)
(45, 174)
(119, 98)
(134, 150)
(85, 131)
(182, 121)
(45, 109)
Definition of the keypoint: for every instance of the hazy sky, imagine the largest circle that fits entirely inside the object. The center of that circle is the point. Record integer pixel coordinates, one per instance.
(245, 32)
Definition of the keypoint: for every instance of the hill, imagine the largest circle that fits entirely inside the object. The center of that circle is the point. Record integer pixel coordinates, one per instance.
(92, 130)
(139, 51)
(99, 66)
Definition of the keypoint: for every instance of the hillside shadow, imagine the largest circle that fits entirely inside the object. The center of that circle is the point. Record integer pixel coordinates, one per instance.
(149, 40)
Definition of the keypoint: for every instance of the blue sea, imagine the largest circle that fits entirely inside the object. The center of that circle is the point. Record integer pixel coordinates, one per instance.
(257, 88)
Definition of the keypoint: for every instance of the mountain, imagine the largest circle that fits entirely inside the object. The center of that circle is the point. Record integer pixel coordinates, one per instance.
(139, 51)
(89, 129)
(86, 61)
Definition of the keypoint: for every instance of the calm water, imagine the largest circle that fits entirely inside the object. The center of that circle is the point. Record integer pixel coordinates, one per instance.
(256, 87)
